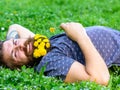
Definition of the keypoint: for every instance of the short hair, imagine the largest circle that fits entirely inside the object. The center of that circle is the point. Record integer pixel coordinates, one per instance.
(1, 53)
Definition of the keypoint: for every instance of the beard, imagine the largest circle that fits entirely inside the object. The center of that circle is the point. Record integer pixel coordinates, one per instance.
(31, 60)
(27, 42)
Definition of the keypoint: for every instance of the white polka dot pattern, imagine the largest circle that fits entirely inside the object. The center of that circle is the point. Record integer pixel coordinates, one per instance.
(64, 51)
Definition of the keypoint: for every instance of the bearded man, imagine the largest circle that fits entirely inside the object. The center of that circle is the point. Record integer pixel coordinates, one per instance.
(76, 55)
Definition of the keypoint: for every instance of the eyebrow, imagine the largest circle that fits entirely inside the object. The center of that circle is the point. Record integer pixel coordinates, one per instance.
(11, 52)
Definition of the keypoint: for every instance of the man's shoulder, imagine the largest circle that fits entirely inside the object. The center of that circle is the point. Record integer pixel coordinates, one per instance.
(57, 36)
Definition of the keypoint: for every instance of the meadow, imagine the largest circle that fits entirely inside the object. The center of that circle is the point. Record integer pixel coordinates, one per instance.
(39, 16)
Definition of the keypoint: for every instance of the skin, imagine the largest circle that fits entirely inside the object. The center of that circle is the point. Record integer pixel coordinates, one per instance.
(18, 47)
(92, 71)
(16, 52)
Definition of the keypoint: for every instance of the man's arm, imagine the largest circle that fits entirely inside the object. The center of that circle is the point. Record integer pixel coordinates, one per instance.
(95, 68)
(18, 31)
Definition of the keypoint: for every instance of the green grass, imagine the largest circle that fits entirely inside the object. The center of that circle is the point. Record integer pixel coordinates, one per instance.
(39, 16)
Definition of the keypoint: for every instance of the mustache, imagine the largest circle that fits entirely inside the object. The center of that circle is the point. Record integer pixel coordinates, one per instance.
(28, 41)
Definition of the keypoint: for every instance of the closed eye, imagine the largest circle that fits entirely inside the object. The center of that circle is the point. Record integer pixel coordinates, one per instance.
(14, 55)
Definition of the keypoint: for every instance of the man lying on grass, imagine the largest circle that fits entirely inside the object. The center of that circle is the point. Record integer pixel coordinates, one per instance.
(76, 55)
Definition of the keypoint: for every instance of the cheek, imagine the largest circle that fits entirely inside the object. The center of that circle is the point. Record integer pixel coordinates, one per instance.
(22, 41)
(23, 57)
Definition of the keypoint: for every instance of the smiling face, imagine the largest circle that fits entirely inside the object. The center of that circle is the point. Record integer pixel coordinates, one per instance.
(17, 52)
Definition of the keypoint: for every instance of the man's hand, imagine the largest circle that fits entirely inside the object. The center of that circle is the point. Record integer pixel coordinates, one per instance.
(74, 30)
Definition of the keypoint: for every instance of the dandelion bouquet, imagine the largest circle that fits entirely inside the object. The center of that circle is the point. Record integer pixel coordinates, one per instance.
(41, 45)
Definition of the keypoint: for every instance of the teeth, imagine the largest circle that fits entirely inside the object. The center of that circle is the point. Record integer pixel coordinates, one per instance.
(30, 47)
(27, 48)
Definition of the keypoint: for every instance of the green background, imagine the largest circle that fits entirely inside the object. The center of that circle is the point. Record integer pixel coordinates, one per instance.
(39, 16)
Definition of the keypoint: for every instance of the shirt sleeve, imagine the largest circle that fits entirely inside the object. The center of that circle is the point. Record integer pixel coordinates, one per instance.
(56, 64)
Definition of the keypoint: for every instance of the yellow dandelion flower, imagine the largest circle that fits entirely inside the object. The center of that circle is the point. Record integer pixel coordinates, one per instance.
(41, 45)
(37, 36)
(43, 51)
(39, 40)
(42, 36)
(35, 44)
(47, 45)
(45, 40)
(36, 53)
(52, 29)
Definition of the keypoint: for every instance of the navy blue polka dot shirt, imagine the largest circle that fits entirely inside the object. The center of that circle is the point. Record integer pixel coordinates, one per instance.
(64, 51)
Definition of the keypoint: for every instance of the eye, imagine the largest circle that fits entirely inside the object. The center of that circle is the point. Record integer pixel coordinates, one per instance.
(14, 54)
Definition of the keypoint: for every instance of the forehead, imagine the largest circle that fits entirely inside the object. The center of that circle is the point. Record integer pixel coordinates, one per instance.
(7, 47)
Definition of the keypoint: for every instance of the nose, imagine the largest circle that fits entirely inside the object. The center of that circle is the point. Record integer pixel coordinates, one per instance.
(19, 47)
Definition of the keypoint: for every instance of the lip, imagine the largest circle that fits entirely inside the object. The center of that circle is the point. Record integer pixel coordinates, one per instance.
(29, 48)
